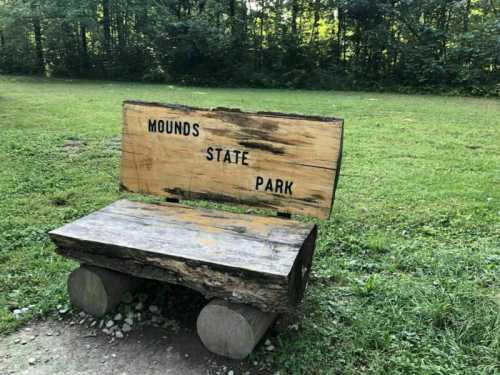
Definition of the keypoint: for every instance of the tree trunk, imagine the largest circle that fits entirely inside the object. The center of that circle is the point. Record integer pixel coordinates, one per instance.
(40, 61)
(315, 25)
(84, 48)
(339, 34)
(106, 24)
(466, 16)
(295, 12)
(231, 17)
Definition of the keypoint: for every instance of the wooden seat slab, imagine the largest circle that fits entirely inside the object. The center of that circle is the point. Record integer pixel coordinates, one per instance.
(261, 261)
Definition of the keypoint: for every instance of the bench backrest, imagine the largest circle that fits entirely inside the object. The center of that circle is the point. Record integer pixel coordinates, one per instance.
(288, 163)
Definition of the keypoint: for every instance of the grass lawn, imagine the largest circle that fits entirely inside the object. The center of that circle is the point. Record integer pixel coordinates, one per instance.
(406, 273)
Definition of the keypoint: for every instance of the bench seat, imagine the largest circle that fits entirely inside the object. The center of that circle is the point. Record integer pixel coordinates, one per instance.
(261, 261)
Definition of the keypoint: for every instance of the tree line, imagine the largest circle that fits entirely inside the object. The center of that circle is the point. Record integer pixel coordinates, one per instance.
(377, 44)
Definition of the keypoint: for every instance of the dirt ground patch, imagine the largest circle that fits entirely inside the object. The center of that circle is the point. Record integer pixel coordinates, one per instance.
(56, 348)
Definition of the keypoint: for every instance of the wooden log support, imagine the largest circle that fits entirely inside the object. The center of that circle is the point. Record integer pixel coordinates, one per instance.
(97, 290)
(232, 330)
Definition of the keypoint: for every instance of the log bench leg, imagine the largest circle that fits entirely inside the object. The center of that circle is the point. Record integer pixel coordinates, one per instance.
(232, 330)
(98, 290)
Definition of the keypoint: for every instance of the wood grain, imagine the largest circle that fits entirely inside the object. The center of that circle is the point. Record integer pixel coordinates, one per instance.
(261, 261)
(288, 163)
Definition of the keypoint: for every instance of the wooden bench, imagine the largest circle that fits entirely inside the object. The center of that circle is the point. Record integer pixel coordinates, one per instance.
(252, 267)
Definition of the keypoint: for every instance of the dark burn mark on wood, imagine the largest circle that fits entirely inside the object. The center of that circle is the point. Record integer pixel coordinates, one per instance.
(255, 133)
(226, 109)
(192, 195)
(297, 116)
(318, 197)
(219, 131)
(338, 166)
(263, 147)
(270, 126)
(124, 188)
(313, 166)
(186, 108)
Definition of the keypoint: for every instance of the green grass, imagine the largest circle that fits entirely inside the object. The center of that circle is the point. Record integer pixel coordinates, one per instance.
(406, 273)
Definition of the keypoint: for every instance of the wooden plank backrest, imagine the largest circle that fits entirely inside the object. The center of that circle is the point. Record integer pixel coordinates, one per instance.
(288, 163)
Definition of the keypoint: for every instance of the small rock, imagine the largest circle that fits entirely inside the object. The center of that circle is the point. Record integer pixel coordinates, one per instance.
(154, 309)
(129, 321)
(32, 361)
(139, 306)
(186, 355)
(81, 321)
(270, 348)
(119, 335)
(106, 331)
(157, 319)
(88, 347)
(82, 314)
(267, 342)
(118, 317)
(49, 333)
(230, 372)
(110, 324)
(94, 322)
(126, 328)
(32, 338)
(17, 341)
(24, 342)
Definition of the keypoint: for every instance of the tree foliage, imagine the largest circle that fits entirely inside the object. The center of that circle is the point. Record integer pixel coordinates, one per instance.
(424, 44)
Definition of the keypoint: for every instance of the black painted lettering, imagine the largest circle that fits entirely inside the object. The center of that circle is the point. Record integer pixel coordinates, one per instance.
(279, 186)
(169, 127)
(269, 185)
(161, 126)
(178, 127)
(288, 187)
(259, 182)
(187, 128)
(219, 150)
(152, 126)
(210, 156)
(196, 131)
(237, 155)
(227, 157)
(244, 155)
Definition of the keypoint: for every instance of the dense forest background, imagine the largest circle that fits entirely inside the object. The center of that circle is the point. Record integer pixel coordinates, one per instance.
(424, 45)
